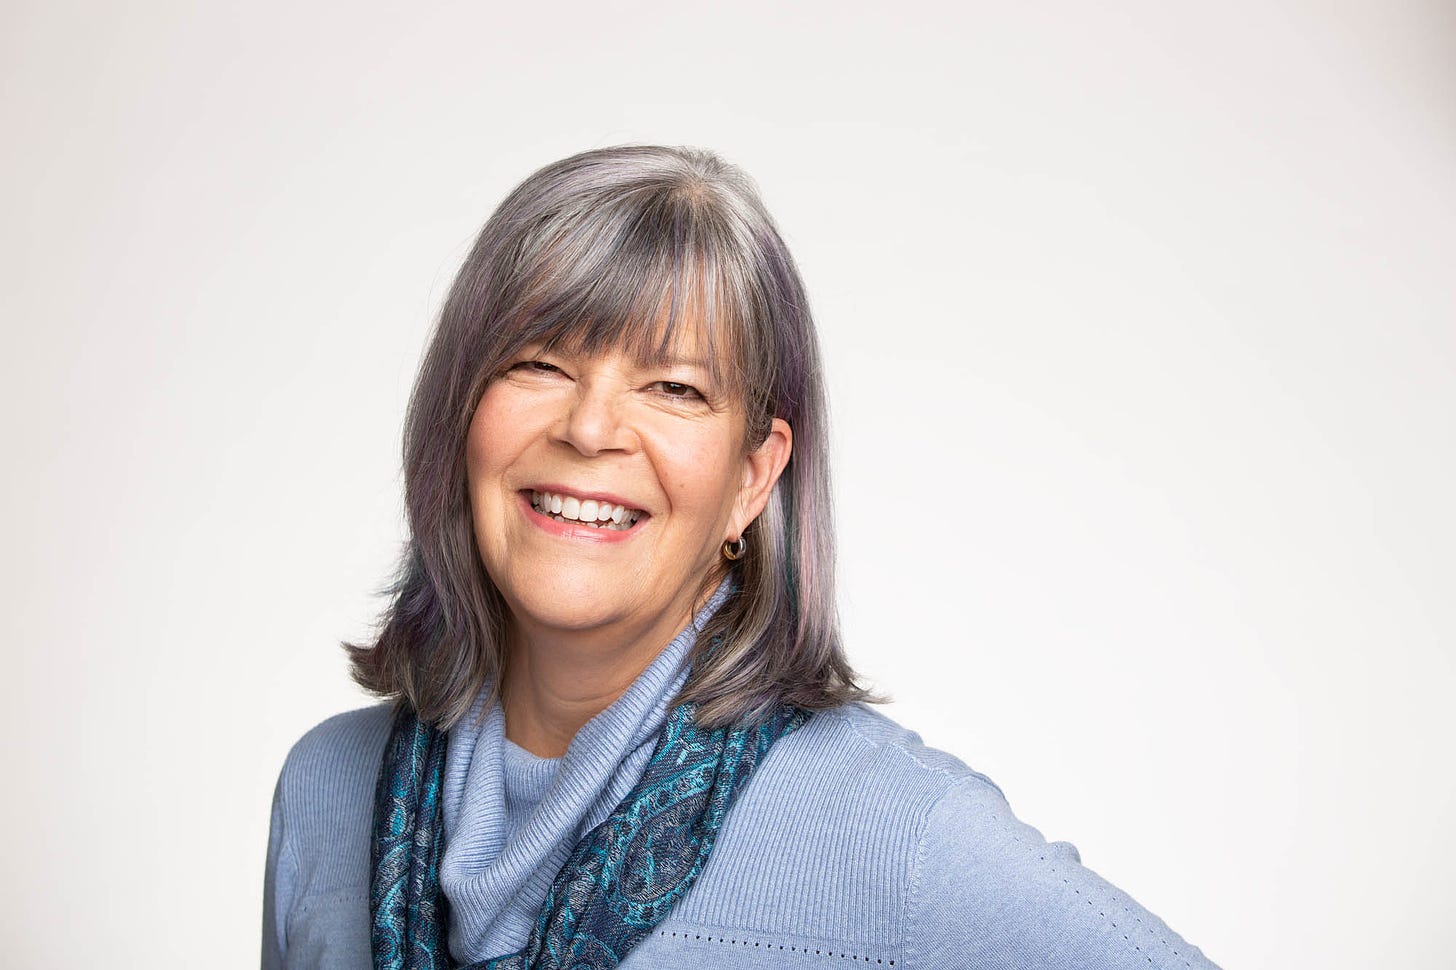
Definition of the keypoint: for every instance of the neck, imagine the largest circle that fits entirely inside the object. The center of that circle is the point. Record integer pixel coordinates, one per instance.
(557, 680)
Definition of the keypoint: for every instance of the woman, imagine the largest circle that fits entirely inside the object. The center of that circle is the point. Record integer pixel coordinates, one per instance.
(624, 731)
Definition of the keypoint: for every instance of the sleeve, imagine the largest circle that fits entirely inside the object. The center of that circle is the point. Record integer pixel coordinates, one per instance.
(278, 881)
(990, 892)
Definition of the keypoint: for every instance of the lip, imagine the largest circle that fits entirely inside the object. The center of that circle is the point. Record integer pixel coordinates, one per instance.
(594, 496)
(573, 530)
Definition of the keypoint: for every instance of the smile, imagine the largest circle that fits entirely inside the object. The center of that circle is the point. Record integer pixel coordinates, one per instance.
(593, 513)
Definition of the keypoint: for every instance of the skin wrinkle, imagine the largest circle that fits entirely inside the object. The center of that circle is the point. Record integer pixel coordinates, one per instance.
(587, 618)
(594, 251)
(564, 629)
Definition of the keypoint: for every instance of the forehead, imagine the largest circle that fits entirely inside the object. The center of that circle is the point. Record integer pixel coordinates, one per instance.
(671, 337)
(685, 343)
(649, 289)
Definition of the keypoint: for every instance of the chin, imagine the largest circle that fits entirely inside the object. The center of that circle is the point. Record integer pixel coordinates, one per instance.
(562, 609)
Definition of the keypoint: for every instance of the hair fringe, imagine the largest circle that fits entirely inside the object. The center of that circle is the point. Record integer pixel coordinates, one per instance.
(588, 249)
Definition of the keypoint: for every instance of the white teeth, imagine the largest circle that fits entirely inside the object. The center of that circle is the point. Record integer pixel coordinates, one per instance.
(569, 508)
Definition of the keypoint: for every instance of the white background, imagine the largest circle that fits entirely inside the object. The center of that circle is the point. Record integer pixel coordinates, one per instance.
(1139, 325)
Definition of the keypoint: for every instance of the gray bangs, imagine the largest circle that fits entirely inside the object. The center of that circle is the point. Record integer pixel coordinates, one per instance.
(639, 249)
(629, 269)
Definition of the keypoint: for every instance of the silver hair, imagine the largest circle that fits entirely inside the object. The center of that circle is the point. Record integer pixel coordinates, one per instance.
(621, 248)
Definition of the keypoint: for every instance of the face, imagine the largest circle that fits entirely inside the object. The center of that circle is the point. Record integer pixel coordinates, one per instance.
(654, 456)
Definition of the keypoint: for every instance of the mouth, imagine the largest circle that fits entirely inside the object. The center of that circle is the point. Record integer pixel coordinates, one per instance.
(597, 513)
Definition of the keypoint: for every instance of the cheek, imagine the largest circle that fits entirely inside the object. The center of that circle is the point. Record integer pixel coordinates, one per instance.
(494, 440)
(702, 477)
(480, 453)
(497, 432)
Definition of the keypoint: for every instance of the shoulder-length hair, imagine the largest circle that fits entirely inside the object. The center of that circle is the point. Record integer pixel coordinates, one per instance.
(593, 252)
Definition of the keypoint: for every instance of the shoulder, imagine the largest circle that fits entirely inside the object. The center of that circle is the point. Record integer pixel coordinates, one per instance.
(335, 762)
(316, 882)
(853, 769)
(875, 738)
(828, 831)
(326, 796)
(340, 742)
(893, 772)
(853, 828)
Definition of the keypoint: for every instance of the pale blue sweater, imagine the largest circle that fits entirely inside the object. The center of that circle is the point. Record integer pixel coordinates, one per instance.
(852, 844)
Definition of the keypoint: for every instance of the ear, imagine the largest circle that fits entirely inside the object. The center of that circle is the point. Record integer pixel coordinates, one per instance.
(761, 470)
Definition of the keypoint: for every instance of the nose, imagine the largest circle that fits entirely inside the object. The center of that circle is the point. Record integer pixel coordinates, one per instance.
(594, 422)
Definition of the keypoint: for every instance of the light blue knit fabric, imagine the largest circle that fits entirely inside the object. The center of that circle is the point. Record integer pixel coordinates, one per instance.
(526, 778)
(496, 869)
(853, 844)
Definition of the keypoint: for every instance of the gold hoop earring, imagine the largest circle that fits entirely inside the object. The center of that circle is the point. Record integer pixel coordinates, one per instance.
(734, 549)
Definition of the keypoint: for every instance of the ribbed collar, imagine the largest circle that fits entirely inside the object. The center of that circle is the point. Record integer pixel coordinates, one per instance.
(494, 879)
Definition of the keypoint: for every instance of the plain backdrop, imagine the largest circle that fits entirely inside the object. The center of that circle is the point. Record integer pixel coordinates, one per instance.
(1138, 321)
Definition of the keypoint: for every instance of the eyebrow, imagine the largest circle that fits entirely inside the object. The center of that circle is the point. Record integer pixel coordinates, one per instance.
(669, 360)
(697, 362)
(650, 359)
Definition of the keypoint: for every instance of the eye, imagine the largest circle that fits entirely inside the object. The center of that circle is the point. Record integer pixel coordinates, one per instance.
(535, 366)
(674, 389)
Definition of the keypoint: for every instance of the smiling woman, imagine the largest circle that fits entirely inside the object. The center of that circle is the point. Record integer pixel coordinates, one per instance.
(620, 728)
(644, 477)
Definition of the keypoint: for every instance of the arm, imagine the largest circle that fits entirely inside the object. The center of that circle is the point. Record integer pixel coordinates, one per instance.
(990, 892)
(278, 877)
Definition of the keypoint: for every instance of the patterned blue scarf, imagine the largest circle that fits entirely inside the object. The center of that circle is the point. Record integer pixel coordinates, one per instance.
(620, 880)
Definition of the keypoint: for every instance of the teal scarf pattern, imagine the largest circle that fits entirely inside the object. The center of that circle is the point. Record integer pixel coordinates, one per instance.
(621, 879)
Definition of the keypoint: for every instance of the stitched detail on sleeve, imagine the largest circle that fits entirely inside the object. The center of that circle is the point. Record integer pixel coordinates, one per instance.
(330, 899)
(1103, 907)
(956, 771)
(750, 942)
(288, 850)
(912, 895)
(946, 770)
